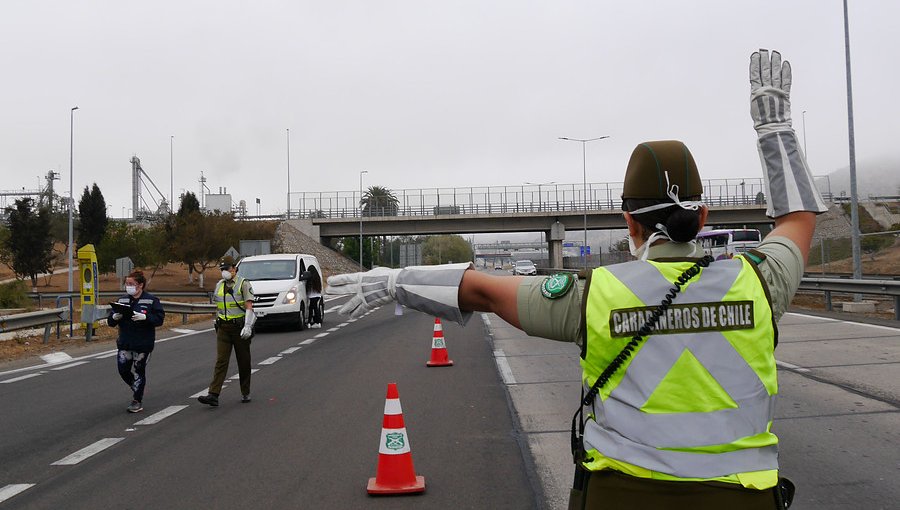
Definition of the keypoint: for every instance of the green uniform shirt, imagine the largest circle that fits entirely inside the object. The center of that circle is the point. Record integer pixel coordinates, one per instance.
(560, 318)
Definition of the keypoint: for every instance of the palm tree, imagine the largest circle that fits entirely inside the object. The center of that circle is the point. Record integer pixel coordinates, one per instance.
(379, 201)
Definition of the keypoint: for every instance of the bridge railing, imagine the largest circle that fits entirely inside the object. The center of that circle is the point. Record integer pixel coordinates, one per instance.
(508, 199)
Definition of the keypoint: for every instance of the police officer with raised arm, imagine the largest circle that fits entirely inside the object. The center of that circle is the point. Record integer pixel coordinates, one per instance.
(677, 350)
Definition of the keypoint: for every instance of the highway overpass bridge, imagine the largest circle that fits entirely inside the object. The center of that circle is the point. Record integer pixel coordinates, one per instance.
(549, 208)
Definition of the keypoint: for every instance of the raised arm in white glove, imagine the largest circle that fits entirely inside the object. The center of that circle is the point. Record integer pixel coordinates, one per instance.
(430, 289)
(138, 316)
(789, 183)
(249, 321)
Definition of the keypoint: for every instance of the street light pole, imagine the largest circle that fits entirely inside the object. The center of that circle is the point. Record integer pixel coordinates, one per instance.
(171, 176)
(360, 218)
(71, 195)
(288, 213)
(584, 142)
(854, 201)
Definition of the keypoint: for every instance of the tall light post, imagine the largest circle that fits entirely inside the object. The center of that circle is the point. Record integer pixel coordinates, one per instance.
(71, 196)
(171, 176)
(584, 142)
(288, 173)
(854, 201)
(360, 216)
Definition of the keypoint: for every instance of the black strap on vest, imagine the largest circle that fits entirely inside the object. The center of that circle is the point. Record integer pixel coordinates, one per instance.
(577, 439)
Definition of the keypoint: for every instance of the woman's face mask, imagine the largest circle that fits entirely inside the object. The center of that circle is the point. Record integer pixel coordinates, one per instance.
(131, 290)
(226, 275)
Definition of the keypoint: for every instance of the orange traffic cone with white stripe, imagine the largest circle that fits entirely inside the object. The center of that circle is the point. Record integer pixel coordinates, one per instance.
(439, 356)
(395, 474)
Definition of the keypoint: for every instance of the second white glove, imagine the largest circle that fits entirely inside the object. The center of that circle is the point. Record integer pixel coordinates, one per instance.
(117, 316)
(138, 316)
(249, 321)
(369, 290)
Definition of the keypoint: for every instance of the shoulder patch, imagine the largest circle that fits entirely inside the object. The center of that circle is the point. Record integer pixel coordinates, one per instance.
(557, 285)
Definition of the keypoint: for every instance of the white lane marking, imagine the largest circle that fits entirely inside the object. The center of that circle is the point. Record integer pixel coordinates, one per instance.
(332, 330)
(87, 451)
(503, 365)
(828, 319)
(486, 319)
(70, 365)
(791, 366)
(341, 325)
(269, 361)
(333, 308)
(94, 356)
(352, 320)
(182, 331)
(321, 335)
(160, 416)
(292, 350)
(237, 376)
(107, 354)
(200, 393)
(20, 378)
(307, 342)
(13, 489)
(55, 358)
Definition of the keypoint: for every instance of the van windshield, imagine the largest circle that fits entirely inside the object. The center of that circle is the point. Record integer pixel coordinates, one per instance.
(268, 269)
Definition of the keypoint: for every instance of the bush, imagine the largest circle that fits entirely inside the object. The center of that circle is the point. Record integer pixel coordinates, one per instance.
(14, 295)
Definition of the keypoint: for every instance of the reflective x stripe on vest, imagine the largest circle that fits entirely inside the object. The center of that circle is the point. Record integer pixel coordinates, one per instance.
(696, 399)
(227, 303)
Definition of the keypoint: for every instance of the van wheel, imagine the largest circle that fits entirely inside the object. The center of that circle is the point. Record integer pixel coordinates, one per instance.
(301, 319)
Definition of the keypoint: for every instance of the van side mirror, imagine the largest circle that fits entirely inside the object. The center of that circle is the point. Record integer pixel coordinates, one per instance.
(305, 276)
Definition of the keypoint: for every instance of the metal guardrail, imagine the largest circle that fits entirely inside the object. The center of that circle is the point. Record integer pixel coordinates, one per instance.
(47, 318)
(873, 287)
(40, 296)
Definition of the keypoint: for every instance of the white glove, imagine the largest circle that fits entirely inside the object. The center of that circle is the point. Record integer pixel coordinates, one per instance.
(430, 289)
(117, 316)
(789, 184)
(249, 321)
(138, 316)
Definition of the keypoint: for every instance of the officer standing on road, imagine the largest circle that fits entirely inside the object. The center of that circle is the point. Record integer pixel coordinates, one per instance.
(234, 330)
(677, 351)
(137, 335)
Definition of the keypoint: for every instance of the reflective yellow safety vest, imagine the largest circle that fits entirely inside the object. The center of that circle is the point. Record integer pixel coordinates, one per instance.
(696, 399)
(229, 305)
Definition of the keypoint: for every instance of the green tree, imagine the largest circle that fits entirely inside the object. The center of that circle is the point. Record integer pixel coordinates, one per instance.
(189, 204)
(29, 243)
(379, 201)
(92, 216)
(446, 248)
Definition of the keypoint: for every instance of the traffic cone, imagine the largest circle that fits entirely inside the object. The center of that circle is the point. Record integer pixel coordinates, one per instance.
(439, 357)
(395, 474)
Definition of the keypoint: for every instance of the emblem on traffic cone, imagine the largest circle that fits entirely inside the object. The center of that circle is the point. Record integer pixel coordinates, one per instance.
(439, 357)
(395, 474)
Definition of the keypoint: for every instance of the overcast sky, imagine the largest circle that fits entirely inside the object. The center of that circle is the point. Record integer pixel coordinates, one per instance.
(421, 93)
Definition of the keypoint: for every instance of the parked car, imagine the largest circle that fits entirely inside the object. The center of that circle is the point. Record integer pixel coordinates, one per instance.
(498, 266)
(524, 268)
(281, 283)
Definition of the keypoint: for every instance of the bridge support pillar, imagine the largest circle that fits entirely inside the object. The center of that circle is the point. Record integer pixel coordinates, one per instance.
(555, 239)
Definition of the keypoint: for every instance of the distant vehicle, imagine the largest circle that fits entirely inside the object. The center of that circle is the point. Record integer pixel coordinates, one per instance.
(498, 266)
(281, 283)
(728, 242)
(525, 268)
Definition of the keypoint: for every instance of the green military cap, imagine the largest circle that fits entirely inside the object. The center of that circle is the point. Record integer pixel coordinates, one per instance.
(656, 166)
(226, 262)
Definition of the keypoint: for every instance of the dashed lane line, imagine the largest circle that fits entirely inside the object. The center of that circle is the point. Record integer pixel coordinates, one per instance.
(20, 378)
(332, 330)
(292, 350)
(791, 366)
(307, 342)
(88, 451)
(107, 354)
(13, 489)
(70, 365)
(321, 335)
(270, 361)
(161, 415)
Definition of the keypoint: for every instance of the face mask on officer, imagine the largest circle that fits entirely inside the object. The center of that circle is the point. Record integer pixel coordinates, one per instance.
(131, 290)
(226, 275)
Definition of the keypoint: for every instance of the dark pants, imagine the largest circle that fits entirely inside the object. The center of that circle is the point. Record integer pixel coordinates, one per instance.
(316, 315)
(609, 490)
(228, 337)
(133, 370)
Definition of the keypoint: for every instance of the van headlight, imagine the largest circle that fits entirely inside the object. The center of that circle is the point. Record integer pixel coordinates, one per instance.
(291, 296)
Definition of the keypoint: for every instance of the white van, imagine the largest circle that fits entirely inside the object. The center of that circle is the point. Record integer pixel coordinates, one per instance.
(281, 284)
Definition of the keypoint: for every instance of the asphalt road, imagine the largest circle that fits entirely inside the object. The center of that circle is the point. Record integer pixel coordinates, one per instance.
(309, 438)
(489, 432)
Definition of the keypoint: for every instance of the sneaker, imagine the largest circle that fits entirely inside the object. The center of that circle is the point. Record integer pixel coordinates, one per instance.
(135, 407)
(245, 398)
(211, 400)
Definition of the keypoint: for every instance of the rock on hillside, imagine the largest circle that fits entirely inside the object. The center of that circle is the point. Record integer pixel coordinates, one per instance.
(291, 240)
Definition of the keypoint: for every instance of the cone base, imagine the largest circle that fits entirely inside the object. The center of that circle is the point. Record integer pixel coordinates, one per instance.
(415, 486)
(448, 363)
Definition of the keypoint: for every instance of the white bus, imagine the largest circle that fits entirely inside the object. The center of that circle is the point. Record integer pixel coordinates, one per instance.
(728, 242)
